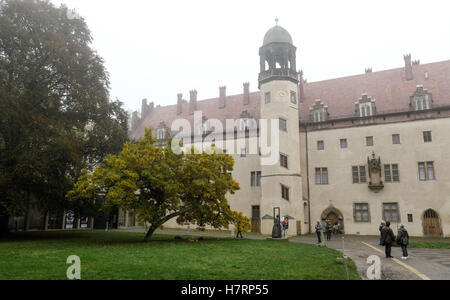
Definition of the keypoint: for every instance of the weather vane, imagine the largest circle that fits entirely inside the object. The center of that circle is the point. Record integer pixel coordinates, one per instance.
(276, 21)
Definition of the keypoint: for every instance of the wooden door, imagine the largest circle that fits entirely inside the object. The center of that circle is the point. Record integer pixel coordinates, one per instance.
(431, 223)
(299, 227)
(256, 219)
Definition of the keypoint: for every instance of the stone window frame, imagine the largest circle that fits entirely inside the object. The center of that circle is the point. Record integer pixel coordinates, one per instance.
(341, 144)
(285, 128)
(321, 145)
(284, 160)
(285, 191)
(255, 179)
(421, 99)
(318, 112)
(268, 97)
(361, 174)
(365, 106)
(396, 139)
(427, 136)
(321, 172)
(427, 167)
(390, 210)
(361, 210)
(293, 97)
(372, 143)
(391, 173)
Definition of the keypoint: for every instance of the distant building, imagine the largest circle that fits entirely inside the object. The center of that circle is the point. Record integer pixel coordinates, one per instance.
(355, 150)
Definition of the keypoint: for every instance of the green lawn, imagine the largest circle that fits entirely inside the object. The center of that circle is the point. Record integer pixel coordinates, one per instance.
(116, 255)
(430, 245)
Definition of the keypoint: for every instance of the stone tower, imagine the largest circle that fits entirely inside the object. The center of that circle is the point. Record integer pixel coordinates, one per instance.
(278, 83)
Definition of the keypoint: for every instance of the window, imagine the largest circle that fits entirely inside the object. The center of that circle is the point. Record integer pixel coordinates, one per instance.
(321, 176)
(243, 152)
(362, 212)
(285, 192)
(396, 139)
(421, 102)
(391, 173)
(283, 125)
(161, 134)
(255, 178)
(390, 212)
(359, 174)
(427, 137)
(283, 160)
(369, 141)
(293, 97)
(365, 109)
(410, 218)
(319, 116)
(426, 171)
(344, 144)
(267, 97)
(320, 145)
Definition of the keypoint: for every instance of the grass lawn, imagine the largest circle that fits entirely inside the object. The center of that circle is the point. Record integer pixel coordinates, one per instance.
(430, 245)
(118, 255)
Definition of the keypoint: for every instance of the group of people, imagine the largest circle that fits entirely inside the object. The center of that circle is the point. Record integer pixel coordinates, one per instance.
(387, 238)
(328, 227)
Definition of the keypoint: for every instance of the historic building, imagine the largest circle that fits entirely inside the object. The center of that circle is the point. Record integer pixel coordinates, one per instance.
(355, 150)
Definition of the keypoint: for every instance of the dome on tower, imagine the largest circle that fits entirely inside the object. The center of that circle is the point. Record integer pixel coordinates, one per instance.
(277, 34)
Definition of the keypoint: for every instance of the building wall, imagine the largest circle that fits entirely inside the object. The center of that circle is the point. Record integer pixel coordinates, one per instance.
(412, 195)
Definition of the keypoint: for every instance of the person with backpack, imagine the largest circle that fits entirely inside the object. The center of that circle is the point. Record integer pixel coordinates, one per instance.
(403, 240)
(319, 232)
(387, 238)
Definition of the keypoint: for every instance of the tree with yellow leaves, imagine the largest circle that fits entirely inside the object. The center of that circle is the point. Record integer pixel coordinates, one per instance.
(157, 185)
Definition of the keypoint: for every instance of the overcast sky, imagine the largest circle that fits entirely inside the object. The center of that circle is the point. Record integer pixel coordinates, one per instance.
(156, 49)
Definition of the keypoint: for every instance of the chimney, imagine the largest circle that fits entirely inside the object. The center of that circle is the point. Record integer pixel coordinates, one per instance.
(223, 97)
(408, 67)
(246, 93)
(368, 70)
(301, 89)
(134, 120)
(179, 104)
(144, 108)
(193, 102)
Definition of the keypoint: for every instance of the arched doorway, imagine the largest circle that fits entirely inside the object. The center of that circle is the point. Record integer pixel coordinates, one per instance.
(335, 216)
(431, 223)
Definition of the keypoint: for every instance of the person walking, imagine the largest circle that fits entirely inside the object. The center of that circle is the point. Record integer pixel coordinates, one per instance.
(329, 229)
(387, 239)
(286, 227)
(403, 240)
(319, 232)
(239, 230)
(381, 228)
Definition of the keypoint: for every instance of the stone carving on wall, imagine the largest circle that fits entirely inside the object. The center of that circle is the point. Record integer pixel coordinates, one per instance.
(376, 182)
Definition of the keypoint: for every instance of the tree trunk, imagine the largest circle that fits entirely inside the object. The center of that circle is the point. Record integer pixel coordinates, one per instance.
(4, 225)
(149, 234)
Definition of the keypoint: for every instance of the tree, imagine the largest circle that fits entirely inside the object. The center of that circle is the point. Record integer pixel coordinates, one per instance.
(56, 117)
(241, 222)
(157, 185)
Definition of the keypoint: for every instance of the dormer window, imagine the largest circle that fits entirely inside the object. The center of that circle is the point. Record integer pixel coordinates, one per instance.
(244, 124)
(421, 102)
(161, 134)
(318, 112)
(422, 99)
(365, 106)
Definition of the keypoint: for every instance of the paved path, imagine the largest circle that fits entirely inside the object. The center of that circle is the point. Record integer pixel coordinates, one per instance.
(423, 264)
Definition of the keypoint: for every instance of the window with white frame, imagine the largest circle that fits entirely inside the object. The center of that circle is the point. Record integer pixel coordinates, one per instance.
(365, 109)
(161, 133)
(421, 102)
(319, 115)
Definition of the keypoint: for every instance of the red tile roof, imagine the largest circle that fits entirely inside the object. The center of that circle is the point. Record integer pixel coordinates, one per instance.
(389, 88)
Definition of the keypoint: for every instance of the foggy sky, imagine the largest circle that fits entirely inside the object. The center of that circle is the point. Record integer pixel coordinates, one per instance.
(156, 49)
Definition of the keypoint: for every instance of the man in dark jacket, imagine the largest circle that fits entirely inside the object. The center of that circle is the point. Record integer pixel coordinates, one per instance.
(388, 238)
(403, 240)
